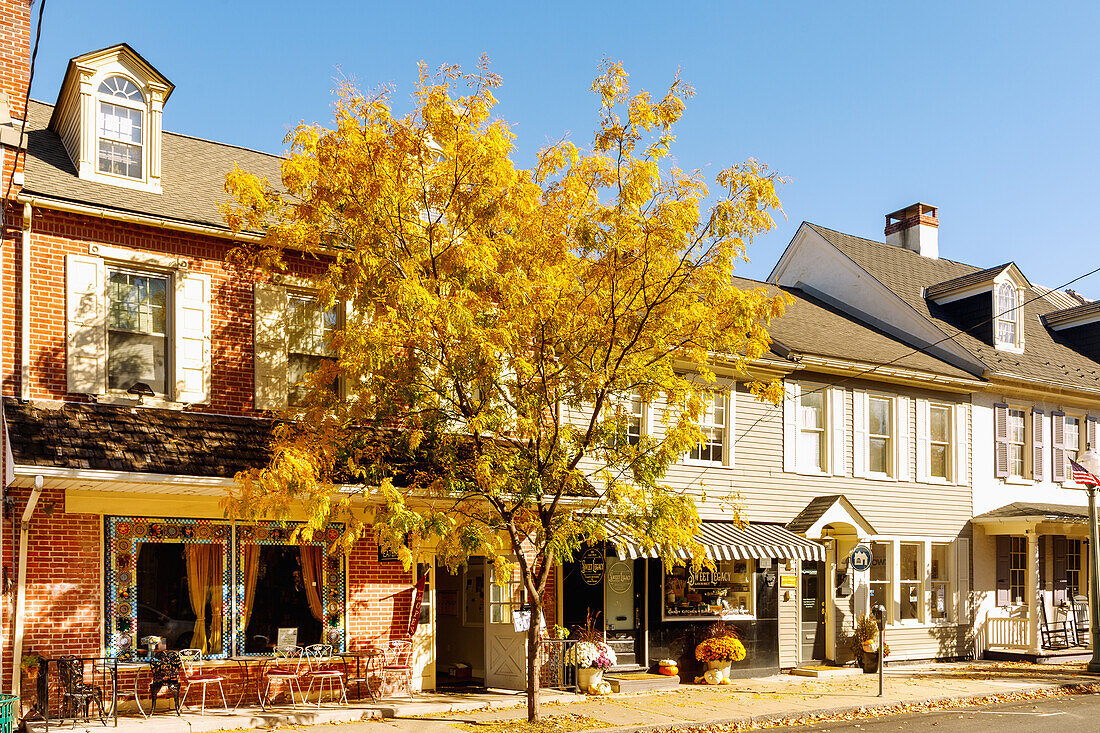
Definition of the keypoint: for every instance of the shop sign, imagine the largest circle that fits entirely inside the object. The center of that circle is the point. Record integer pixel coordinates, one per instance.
(592, 565)
(708, 576)
(788, 581)
(860, 559)
(386, 555)
(619, 576)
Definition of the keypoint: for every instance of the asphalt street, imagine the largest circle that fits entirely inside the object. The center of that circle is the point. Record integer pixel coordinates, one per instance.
(1066, 714)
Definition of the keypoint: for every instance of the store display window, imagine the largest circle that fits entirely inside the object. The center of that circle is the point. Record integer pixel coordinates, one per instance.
(725, 591)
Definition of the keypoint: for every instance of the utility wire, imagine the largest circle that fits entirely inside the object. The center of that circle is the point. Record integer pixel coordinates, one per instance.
(26, 103)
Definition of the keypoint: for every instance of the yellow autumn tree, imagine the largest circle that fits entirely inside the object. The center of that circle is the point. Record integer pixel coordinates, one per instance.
(500, 321)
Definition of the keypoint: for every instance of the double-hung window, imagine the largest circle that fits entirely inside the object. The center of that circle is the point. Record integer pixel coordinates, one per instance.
(1008, 318)
(812, 435)
(1013, 435)
(120, 128)
(940, 459)
(309, 343)
(712, 448)
(940, 577)
(880, 435)
(1073, 569)
(137, 331)
(1017, 568)
(635, 419)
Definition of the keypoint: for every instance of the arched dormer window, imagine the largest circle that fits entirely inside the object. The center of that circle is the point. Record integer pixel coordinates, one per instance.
(120, 118)
(1007, 316)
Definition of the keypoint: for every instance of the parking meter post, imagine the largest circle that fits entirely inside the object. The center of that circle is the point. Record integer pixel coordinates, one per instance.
(879, 612)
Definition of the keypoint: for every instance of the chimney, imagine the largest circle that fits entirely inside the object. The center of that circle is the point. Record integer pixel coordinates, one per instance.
(915, 227)
(15, 52)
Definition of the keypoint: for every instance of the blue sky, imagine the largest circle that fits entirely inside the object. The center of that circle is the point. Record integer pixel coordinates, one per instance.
(987, 110)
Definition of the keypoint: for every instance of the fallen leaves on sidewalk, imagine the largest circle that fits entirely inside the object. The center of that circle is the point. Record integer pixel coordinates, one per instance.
(549, 724)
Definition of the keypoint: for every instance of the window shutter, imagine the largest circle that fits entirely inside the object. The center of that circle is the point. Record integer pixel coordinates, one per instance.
(269, 338)
(835, 417)
(1090, 431)
(1059, 551)
(85, 325)
(1004, 569)
(901, 438)
(729, 442)
(1000, 440)
(962, 582)
(1057, 447)
(192, 338)
(1037, 445)
(791, 397)
(924, 440)
(960, 445)
(859, 433)
(1042, 542)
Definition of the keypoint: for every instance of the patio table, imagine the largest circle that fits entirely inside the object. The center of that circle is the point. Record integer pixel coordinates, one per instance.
(370, 654)
(113, 665)
(245, 663)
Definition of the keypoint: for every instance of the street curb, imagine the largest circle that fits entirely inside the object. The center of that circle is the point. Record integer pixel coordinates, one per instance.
(799, 717)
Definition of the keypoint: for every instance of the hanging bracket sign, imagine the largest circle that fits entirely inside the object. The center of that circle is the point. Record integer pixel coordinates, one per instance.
(860, 559)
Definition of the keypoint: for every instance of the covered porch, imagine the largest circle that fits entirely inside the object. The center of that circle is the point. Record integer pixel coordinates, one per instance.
(1040, 603)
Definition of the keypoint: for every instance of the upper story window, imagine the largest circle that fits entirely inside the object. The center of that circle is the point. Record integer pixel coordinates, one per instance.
(635, 419)
(137, 316)
(940, 444)
(309, 343)
(880, 434)
(1008, 317)
(121, 112)
(812, 438)
(1017, 441)
(712, 449)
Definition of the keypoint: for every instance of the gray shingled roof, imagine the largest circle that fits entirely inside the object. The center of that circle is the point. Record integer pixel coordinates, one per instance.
(192, 174)
(810, 326)
(1026, 510)
(1046, 356)
(814, 511)
(958, 283)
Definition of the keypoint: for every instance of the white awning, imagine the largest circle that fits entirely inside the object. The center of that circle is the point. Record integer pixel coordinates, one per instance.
(727, 541)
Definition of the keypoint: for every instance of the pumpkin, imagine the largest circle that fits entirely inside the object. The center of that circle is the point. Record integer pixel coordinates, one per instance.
(726, 681)
(669, 670)
(713, 676)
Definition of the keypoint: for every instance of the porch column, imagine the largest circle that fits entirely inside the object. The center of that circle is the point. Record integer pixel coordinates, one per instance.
(1032, 592)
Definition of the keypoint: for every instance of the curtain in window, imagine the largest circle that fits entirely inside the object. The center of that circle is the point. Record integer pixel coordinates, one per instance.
(250, 565)
(200, 560)
(311, 579)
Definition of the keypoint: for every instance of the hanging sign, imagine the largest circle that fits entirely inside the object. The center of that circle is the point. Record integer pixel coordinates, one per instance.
(592, 563)
(860, 559)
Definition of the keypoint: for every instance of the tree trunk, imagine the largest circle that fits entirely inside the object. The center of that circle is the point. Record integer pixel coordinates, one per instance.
(533, 659)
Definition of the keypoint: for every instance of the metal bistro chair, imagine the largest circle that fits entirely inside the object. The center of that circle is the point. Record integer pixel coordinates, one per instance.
(319, 657)
(1080, 608)
(286, 667)
(191, 660)
(398, 663)
(75, 692)
(166, 668)
(1054, 635)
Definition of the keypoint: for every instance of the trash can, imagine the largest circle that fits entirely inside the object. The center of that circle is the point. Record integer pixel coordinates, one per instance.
(7, 713)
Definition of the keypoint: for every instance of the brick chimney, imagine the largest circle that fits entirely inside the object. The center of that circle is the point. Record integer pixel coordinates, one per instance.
(15, 52)
(915, 227)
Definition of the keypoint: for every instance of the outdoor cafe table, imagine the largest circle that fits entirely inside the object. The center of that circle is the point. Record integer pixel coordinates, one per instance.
(245, 663)
(104, 666)
(370, 654)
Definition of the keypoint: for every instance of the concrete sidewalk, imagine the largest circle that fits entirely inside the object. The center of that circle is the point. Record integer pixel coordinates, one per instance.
(745, 701)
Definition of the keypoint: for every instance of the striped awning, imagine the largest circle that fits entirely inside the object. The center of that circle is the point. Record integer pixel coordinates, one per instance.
(727, 541)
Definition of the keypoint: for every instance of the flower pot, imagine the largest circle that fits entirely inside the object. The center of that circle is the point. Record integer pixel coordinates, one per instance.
(588, 678)
(869, 662)
(720, 664)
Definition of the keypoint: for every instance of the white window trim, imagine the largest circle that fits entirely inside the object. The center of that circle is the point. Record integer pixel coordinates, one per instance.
(834, 437)
(956, 426)
(862, 435)
(1082, 441)
(727, 433)
(139, 105)
(893, 613)
(1028, 446)
(150, 106)
(1017, 346)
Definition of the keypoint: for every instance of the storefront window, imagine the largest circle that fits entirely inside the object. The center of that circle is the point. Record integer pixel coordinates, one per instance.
(724, 591)
(880, 575)
(941, 583)
(911, 564)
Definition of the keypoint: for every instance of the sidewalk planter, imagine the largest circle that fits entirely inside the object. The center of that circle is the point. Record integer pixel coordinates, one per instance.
(588, 678)
(869, 662)
(722, 665)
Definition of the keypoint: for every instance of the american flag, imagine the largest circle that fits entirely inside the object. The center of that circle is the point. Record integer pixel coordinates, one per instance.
(1082, 475)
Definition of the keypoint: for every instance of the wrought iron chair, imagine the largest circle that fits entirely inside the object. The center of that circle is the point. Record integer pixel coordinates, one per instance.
(166, 668)
(191, 660)
(319, 657)
(1080, 607)
(286, 667)
(398, 663)
(1053, 635)
(75, 692)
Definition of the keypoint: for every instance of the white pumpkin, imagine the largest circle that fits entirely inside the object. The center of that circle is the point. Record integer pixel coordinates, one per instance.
(713, 676)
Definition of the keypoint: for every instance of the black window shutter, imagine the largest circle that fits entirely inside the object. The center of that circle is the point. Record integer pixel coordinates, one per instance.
(1059, 569)
(1004, 567)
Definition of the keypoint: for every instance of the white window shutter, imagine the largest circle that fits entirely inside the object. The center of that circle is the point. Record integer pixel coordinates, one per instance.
(269, 336)
(1057, 446)
(859, 433)
(1090, 431)
(85, 325)
(192, 338)
(791, 398)
(924, 440)
(901, 438)
(836, 425)
(962, 579)
(730, 451)
(1037, 445)
(960, 444)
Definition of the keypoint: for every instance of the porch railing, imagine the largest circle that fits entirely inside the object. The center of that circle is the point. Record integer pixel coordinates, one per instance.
(1006, 633)
(555, 673)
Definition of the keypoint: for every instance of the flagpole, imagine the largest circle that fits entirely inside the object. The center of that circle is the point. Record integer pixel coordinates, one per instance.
(1090, 461)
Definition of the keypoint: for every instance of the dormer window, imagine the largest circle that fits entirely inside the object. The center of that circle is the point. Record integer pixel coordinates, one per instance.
(121, 111)
(1007, 316)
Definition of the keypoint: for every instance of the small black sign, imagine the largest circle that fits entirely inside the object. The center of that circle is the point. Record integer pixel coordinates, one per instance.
(592, 563)
(385, 555)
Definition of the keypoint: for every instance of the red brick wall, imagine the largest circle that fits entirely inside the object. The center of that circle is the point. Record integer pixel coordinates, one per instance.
(15, 51)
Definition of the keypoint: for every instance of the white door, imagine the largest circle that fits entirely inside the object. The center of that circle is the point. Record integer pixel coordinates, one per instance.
(505, 648)
(424, 639)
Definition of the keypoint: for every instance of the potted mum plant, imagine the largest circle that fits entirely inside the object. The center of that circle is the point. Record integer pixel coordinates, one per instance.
(864, 642)
(719, 650)
(590, 655)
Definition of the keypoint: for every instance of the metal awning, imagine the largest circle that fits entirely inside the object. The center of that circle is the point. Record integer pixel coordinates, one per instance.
(727, 541)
